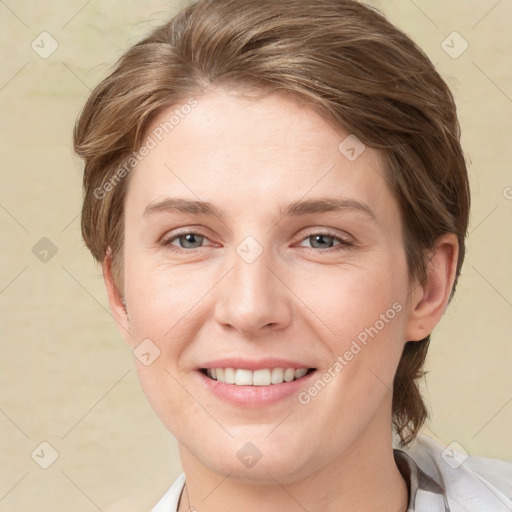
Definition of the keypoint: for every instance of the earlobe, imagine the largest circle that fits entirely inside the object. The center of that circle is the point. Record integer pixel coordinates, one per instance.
(116, 300)
(430, 299)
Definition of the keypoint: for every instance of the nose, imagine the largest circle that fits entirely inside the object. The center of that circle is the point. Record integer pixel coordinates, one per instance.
(253, 297)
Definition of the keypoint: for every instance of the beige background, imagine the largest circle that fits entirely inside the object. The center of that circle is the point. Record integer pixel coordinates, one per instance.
(67, 378)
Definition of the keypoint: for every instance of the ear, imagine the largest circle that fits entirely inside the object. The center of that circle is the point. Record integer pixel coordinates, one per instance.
(115, 300)
(430, 299)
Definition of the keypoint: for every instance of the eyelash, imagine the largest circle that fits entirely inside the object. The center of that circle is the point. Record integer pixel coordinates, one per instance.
(343, 242)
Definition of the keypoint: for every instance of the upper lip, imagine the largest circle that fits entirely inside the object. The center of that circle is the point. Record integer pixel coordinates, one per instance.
(254, 364)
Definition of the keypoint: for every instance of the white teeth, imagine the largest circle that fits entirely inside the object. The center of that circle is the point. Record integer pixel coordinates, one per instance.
(289, 374)
(277, 376)
(263, 377)
(229, 375)
(243, 377)
(299, 373)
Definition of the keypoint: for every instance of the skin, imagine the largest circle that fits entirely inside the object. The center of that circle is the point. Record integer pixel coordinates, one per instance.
(303, 299)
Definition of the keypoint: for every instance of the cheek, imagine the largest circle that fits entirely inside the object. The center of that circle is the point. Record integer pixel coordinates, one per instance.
(362, 311)
(167, 307)
(163, 308)
(350, 300)
(162, 298)
(367, 313)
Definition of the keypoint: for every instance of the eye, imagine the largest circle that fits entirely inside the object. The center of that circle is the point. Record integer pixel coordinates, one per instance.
(323, 241)
(181, 241)
(327, 241)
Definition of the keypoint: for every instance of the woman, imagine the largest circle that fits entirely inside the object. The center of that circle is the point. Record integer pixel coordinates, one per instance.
(278, 196)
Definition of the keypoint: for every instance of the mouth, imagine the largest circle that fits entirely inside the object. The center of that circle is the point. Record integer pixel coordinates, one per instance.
(259, 377)
(255, 383)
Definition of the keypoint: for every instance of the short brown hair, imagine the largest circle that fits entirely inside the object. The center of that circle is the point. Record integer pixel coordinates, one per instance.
(341, 58)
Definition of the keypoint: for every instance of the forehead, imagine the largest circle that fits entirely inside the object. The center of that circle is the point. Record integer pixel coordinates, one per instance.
(264, 154)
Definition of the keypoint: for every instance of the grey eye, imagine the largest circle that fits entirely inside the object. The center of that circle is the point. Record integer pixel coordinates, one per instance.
(321, 241)
(189, 241)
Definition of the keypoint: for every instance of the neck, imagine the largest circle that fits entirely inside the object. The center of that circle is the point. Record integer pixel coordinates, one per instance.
(364, 478)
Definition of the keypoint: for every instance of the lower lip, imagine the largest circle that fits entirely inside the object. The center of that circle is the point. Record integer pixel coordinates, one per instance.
(255, 396)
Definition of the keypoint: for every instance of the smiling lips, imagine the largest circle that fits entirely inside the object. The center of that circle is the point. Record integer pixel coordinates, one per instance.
(252, 383)
(260, 377)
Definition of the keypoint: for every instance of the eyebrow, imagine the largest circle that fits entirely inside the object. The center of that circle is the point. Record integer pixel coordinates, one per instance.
(296, 208)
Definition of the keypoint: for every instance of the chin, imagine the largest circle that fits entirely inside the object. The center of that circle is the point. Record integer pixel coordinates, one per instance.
(261, 461)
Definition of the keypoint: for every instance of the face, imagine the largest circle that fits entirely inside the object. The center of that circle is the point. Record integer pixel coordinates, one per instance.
(255, 242)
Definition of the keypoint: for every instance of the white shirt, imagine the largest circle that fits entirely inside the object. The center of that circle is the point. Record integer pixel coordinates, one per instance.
(439, 480)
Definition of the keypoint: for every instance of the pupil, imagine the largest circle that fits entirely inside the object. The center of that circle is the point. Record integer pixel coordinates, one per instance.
(322, 239)
(189, 240)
